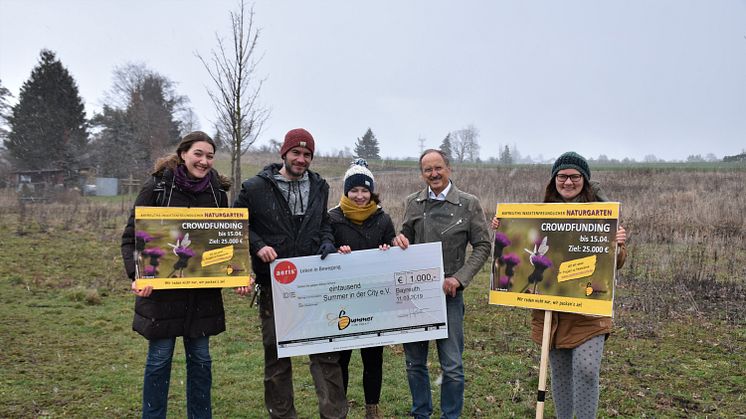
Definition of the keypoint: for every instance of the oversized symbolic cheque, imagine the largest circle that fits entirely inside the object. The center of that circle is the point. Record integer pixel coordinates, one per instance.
(365, 298)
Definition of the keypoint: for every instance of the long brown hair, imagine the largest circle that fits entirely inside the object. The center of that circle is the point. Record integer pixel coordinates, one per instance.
(172, 160)
(586, 194)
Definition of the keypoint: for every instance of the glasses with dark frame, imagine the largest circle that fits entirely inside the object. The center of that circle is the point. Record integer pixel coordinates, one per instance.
(574, 178)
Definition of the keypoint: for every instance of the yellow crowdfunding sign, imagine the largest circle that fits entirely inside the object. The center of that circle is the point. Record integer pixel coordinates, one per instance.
(191, 247)
(556, 256)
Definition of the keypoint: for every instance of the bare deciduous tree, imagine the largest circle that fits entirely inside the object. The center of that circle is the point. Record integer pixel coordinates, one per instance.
(464, 144)
(152, 120)
(236, 86)
(4, 111)
(129, 79)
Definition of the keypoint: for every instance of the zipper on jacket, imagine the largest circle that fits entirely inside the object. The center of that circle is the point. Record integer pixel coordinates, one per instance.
(460, 220)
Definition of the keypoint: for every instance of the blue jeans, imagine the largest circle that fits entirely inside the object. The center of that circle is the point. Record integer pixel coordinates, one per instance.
(450, 351)
(158, 376)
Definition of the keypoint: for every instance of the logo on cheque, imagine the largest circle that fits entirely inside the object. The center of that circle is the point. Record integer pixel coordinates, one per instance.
(344, 320)
(285, 272)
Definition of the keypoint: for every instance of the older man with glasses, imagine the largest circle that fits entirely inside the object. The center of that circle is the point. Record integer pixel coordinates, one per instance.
(442, 212)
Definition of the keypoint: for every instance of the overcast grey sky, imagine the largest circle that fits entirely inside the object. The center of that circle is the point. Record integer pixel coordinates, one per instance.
(621, 78)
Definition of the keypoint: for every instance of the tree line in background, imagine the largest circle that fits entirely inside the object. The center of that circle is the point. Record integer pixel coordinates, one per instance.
(142, 117)
(462, 146)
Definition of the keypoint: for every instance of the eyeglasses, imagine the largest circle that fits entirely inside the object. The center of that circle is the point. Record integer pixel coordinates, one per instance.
(429, 170)
(574, 178)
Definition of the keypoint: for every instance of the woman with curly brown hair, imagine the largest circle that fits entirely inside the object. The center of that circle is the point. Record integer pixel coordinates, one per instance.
(185, 178)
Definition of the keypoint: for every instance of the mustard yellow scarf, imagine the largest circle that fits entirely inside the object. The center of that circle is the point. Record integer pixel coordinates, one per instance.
(354, 213)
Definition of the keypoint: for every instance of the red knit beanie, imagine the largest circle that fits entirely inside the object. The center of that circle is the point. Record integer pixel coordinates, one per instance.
(297, 138)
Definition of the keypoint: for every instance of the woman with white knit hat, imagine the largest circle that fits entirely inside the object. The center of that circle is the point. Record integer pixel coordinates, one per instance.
(360, 223)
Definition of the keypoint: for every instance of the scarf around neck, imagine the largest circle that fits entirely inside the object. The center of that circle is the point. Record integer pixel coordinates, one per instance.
(185, 183)
(354, 213)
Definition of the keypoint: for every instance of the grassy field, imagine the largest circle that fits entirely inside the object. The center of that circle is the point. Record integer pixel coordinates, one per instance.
(676, 351)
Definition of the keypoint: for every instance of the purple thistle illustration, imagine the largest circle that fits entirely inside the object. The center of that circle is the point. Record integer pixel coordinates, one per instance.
(184, 254)
(154, 253)
(503, 282)
(541, 263)
(501, 242)
(149, 271)
(141, 237)
(541, 260)
(182, 250)
(510, 260)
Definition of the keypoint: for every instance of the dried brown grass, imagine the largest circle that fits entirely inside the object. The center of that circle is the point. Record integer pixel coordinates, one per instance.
(686, 233)
(686, 229)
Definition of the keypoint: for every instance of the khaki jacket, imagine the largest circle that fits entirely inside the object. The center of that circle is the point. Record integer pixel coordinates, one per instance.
(456, 222)
(570, 330)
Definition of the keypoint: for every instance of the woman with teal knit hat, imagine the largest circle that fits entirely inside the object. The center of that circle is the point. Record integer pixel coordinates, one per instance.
(358, 223)
(576, 340)
(581, 189)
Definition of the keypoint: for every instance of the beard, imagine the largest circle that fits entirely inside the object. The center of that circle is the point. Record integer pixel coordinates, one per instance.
(292, 172)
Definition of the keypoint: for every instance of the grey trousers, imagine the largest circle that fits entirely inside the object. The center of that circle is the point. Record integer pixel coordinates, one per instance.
(278, 373)
(575, 378)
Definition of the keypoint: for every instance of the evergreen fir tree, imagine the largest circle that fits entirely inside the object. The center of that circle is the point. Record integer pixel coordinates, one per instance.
(367, 147)
(48, 127)
(445, 146)
(505, 156)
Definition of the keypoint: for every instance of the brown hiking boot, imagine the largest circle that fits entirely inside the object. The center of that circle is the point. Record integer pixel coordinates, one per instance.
(372, 412)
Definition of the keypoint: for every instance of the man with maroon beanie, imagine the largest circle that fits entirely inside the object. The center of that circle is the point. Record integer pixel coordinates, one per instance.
(288, 218)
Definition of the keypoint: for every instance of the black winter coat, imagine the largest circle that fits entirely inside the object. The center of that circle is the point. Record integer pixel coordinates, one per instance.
(271, 221)
(179, 312)
(378, 229)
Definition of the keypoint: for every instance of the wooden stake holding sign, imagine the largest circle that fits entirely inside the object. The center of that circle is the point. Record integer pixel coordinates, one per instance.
(540, 396)
(556, 257)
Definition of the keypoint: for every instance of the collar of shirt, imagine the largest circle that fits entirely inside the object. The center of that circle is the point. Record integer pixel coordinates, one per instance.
(441, 196)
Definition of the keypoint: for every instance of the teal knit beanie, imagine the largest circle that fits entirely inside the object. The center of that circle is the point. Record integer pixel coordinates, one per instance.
(572, 160)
